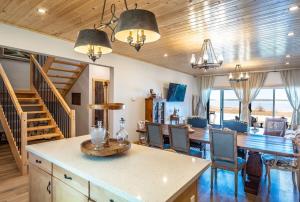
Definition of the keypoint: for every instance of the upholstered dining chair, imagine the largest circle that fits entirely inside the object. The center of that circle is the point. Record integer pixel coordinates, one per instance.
(275, 126)
(223, 150)
(155, 135)
(238, 126)
(179, 139)
(284, 163)
(197, 122)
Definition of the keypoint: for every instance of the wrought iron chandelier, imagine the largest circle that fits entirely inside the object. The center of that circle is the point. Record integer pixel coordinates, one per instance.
(238, 75)
(134, 26)
(207, 58)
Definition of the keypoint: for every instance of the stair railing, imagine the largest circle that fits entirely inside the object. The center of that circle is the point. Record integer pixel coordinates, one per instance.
(57, 106)
(14, 121)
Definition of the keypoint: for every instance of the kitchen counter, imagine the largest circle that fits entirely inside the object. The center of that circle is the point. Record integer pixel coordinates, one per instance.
(141, 174)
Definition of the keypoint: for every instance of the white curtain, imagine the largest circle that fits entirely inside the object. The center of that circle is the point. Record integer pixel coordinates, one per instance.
(291, 81)
(205, 85)
(246, 91)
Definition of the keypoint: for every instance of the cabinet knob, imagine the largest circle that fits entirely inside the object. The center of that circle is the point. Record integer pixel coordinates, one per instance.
(38, 161)
(67, 177)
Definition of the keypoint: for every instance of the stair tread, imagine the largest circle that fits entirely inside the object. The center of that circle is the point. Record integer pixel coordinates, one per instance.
(67, 63)
(24, 92)
(61, 76)
(31, 105)
(36, 112)
(43, 136)
(38, 119)
(61, 82)
(64, 69)
(27, 98)
(40, 127)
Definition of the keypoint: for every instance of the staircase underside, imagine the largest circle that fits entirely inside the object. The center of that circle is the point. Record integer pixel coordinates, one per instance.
(63, 73)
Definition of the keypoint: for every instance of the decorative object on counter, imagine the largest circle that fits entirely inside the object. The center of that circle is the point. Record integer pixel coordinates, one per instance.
(114, 148)
(152, 93)
(122, 134)
(174, 117)
(98, 135)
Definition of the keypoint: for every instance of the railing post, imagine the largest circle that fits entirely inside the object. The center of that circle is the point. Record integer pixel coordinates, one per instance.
(31, 74)
(72, 123)
(24, 142)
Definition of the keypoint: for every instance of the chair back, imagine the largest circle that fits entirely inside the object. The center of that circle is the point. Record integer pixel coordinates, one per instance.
(238, 126)
(179, 138)
(197, 122)
(275, 126)
(155, 135)
(223, 146)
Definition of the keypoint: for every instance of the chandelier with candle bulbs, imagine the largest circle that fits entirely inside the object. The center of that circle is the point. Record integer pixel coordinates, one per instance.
(134, 26)
(207, 58)
(238, 75)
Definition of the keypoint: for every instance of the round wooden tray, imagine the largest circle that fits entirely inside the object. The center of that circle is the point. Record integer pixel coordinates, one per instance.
(114, 148)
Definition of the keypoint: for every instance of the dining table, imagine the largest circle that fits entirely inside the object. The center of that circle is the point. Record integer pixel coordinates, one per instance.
(253, 141)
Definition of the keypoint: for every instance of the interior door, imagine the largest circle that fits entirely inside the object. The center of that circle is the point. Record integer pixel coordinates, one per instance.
(40, 185)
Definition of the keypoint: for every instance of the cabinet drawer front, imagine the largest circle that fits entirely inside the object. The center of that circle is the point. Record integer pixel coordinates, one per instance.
(40, 162)
(72, 180)
(99, 194)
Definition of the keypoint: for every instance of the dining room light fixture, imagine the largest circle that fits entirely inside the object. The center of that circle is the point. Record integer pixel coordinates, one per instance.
(134, 26)
(238, 75)
(42, 11)
(291, 34)
(293, 8)
(207, 58)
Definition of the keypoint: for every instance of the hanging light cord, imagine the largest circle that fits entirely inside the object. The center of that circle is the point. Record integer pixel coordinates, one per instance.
(103, 9)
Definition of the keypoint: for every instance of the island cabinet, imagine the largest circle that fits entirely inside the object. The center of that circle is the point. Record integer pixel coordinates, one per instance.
(51, 183)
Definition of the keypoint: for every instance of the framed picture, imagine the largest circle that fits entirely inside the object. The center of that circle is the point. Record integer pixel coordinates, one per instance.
(76, 98)
(14, 54)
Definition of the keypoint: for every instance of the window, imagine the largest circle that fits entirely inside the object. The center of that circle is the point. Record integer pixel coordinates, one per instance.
(283, 107)
(231, 106)
(262, 106)
(215, 107)
(271, 103)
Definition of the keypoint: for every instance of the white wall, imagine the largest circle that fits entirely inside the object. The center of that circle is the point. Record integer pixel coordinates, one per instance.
(17, 72)
(131, 78)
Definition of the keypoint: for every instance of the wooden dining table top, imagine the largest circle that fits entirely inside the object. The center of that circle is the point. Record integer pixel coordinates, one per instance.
(252, 141)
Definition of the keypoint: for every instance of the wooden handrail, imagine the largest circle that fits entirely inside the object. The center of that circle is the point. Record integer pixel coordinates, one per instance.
(11, 91)
(52, 86)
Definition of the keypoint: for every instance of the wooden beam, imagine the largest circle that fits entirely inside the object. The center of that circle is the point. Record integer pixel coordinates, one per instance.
(64, 69)
(67, 63)
(62, 76)
(48, 64)
(24, 143)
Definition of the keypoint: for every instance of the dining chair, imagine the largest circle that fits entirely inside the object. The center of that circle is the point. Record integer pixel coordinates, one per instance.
(275, 126)
(179, 139)
(155, 135)
(197, 122)
(284, 163)
(238, 126)
(223, 150)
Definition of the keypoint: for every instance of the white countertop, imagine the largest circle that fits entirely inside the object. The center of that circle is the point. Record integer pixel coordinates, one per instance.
(141, 174)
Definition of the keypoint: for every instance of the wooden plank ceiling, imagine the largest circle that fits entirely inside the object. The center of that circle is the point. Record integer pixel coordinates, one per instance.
(252, 33)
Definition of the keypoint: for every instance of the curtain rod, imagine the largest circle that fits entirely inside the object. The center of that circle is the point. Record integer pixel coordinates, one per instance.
(253, 71)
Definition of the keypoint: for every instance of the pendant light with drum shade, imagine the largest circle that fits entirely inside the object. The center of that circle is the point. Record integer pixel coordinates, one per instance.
(93, 42)
(134, 26)
(137, 27)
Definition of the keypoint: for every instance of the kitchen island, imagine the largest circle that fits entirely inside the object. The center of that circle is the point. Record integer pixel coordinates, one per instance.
(60, 172)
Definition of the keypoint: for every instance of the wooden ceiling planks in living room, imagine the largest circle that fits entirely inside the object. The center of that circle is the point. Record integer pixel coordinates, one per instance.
(249, 32)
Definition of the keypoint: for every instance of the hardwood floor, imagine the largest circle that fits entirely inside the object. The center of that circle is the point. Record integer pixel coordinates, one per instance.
(14, 187)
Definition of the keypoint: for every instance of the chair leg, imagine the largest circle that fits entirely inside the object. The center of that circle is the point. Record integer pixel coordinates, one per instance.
(235, 183)
(211, 178)
(244, 174)
(269, 177)
(294, 178)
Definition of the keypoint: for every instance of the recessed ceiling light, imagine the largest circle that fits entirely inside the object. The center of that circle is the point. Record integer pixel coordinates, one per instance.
(287, 56)
(291, 34)
(293, 8)
(165, 55)
(42, 10)
(287, 63)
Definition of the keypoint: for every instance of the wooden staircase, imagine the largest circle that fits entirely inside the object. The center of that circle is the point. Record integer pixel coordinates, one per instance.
(63, 74)
(40, 124)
